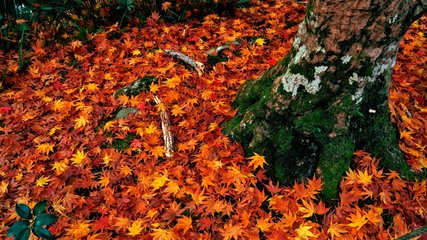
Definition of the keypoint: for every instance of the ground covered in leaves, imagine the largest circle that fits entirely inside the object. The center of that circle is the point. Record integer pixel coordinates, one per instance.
(110, 178)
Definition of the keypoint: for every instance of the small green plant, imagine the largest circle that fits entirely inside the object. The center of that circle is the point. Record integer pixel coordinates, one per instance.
(32, 221)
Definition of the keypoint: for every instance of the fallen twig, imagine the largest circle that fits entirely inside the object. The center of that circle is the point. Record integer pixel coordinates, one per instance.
(194, 64)
(166, 129)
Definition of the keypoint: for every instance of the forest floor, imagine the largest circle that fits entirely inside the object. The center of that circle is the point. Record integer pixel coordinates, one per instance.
(108, 178)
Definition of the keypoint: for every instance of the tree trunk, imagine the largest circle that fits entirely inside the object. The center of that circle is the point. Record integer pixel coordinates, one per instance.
(329, 95)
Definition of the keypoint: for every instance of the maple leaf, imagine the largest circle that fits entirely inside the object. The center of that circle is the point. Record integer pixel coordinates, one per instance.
(364, 177)
(308, 208)
(264, 224)
(173, 81)
(357, 220)
(260, 41)
(136, 228)
(166, 6)
(81, 122)
(231, 231)
(60, 167)
(172, 187)
(184, 223)
(3, 188)
(177, 110)
(158, 151)
(104, 181)
(151, 129)
(107, 159)
(45, 148)
(42, 181)
(108, 77)
(335, 230)
(158, 182)
(257, 161)
(162, 234)
(54, 129)
(78, 157)
(79, 230)
(304, 232)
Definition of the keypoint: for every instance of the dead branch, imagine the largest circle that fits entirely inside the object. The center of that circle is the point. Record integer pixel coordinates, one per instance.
(166, 129)
(198, 66)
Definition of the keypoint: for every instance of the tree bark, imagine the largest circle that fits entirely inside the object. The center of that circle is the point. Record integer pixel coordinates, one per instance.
(329, 95)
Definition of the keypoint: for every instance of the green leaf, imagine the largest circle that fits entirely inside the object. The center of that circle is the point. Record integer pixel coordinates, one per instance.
(23, 210)
(22, 27)
(42, 233)
(125, 112)
(45, 219)
(18, 227)
(23, 235)
(46, 8)
(40, 207)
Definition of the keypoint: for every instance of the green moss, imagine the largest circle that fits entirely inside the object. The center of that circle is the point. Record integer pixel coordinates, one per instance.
(315, 122)
(334, 160)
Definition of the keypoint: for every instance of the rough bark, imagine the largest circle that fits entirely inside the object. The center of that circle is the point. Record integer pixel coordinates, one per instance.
(329, 95)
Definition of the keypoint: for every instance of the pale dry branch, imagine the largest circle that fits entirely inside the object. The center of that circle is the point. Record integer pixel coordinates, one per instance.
(198, 66)
(166, 129)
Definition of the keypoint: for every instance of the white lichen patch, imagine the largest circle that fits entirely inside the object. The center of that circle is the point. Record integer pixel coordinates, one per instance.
(301, 54)
(291, 82)
(360, 81)
(393, 20)
(346, 59)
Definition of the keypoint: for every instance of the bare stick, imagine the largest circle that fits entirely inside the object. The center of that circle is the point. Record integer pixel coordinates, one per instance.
(194, 64)
(166, 129)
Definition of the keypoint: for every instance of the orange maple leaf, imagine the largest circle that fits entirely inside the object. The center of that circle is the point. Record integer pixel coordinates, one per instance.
(184, 223)
(257, 161)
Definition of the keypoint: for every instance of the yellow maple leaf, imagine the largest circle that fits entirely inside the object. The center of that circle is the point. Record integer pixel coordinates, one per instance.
(184, 223)
(108, 76)
(80, 122)
(357, 220)
(263, 224)
(78, 157)
(308, 208)
(136, 228)
(173, 81)
(154, 87)
(92, 86)
(364, 177)
(45, 148)
(260, 41)
(54, 129)
(136, 52)
(107, 159)
(151, 129)
(158, 182)
(257, 161)
(42, 181)
(304, 232)
(3, 188)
